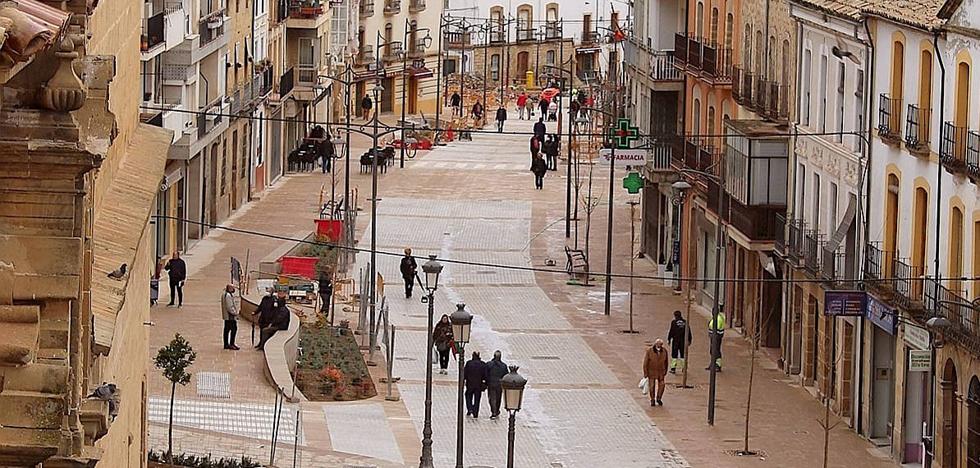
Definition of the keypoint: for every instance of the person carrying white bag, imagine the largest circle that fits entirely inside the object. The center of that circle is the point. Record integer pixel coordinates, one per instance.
(655, 366)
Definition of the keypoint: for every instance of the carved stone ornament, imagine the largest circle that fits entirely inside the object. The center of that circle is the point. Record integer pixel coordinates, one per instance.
(64, 92)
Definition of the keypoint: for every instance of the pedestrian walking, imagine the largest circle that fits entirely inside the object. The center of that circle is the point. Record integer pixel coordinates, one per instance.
(366, 105)
(442, 338)
(574, 108)
(553, 110)
(230, 309)
(475, 376)
(456, 101)
(539, 168)
(675, 338)
(529, 108)
(543, 107)
(279, 320)
(534, 145)
(501, 118)
(716, 331)
(408, 268)
(496, 370)
(655, 370)
(521, 103)
(551, 151)
(540, 129)
(176, 273)
(477, 111)
(325, 289)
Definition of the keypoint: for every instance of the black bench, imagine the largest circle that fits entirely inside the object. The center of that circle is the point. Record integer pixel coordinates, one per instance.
(576, 262)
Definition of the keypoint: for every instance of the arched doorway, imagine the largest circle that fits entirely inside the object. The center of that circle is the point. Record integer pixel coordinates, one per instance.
(950, 422)
(973, 419)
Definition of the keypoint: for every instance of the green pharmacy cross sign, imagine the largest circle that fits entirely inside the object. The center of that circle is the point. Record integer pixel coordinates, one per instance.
(633, 182)
(623, 134)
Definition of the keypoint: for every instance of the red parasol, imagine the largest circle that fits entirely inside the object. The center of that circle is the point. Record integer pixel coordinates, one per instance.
(549, 93)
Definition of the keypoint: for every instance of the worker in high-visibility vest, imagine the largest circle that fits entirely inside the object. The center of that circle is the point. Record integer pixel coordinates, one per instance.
(716, 331)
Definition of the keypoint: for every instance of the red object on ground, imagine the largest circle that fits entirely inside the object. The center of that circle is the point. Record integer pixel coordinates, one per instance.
(300, 266)
(425, 144)
(332, 229)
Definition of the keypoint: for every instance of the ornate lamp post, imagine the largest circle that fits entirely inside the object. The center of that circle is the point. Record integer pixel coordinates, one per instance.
(513, 385)
(432, 269)
(681, 187)
(461, 320)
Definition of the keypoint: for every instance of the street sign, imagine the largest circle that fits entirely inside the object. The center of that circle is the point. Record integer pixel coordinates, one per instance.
(882, 315)
(675, 252)
(624, 157)
(919, 360)
(845, 303)
(915, 336)
(633, 182)
(624, 134)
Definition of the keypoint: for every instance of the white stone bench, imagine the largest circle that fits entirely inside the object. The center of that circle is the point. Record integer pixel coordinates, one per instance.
(280, 353)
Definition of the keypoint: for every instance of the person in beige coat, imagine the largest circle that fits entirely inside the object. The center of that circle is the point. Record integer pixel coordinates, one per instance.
(655, 365)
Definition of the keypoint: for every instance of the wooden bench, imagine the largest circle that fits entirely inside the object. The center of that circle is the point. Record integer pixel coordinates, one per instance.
(576, 262)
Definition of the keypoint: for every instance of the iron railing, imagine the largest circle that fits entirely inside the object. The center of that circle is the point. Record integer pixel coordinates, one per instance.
(552, 30)
(153, 35)
(889, 118)
(759, 96)
(416, 6)
(907, 282)
(811, 250)
(525, 34)
(287, 82)
(366, 9)
(960, 149)
(393, 7)
(794, 239)
(917, 128)
(305, 9)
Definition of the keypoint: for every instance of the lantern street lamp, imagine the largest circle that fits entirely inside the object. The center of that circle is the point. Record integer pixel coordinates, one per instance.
(513, 385)
(681, 188)
(431, 269)
(461, 320)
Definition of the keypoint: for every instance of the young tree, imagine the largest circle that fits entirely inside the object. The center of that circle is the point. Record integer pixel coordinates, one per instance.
(173, 360)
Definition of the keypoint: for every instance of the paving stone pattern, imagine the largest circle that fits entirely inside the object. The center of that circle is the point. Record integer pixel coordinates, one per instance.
(365, 431)
(240, 419)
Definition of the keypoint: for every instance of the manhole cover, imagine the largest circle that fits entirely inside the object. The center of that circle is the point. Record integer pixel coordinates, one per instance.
(405, 358)
(753, 453)
(545, 358)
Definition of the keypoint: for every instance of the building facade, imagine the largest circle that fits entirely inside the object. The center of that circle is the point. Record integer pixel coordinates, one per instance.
(77, 197)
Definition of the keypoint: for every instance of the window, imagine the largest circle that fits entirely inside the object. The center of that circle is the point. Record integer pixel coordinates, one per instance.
(841, 74)
(925, 81)
(747, 45)
(955, 267)
(832, 204)
(801, 187)
(973, 424)
(859, 111)
(976, 260)
(816, 202)
(807, 64)
(711, 127)
(898, 70)
(714, 25)
(551, 14)
(495, 67)
(696, 118)
(699, 20)
(224, 166)
(784, 74)
(961, 118)
(729, 30)
(549, 57)
(760, 55)
(524, 21)
(823, 95)
(891, 220)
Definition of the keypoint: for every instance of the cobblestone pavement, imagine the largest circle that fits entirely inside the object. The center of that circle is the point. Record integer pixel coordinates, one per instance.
(474, 202)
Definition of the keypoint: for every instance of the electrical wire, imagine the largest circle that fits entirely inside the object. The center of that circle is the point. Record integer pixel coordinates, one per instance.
(250, 232)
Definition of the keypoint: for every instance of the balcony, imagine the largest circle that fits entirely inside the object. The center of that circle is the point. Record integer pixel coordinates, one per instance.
(498, 36)
(552, 30)
(392, 52)
(835, 265)
(209, 119)
(525, 34)
(392, 7)
(777, 102)
(917, 130)
(211, 27)
(416, 6)
(812, 239)
(758, 223)
(306, 75)
(959, 150)
(759, 102)
(416, 49)
(658, 65)
(889, 119)
(457, 39)
(286, 83)
(795, 228)
(659, 155)
(366, 55)
(306, 14)
(366, 9)
(589, 38)
(703, 59)
(153, 33)
(962, 313)
(177, 75)
(700, 154)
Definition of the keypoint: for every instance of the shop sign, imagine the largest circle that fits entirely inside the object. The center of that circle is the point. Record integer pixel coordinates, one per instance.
(624, 157)
(845, 303)
(882, 315)
(919, 360)
(916, 337)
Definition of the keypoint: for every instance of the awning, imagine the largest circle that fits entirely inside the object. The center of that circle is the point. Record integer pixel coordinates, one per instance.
(845, 224)
(120, 221)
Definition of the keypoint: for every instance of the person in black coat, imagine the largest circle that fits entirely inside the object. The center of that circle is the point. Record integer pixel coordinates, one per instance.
(551, 150)
(475, 377)
(177, 272)
(543, 106)
(496, 370)
(325, 289)
(675, 338)
(277, 320)
(366, 105)
(501, 118)
(539, 168)
(456, 101)
(540, 129)
(408, 267)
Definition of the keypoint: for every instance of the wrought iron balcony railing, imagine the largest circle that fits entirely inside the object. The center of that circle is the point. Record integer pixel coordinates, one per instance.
(917, 129)
(889, 118)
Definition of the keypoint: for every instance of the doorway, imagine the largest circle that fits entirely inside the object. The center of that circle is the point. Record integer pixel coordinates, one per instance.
(413, 95)
(882, 387)
(522, 64)
(950, 420)
(916, 408)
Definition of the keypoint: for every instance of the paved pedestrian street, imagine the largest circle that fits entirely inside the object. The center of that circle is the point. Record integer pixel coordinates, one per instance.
(473, 204)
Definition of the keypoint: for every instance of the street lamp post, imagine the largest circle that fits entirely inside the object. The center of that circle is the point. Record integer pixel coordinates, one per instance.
(426, 43)
(348, 83)
(681, 189)
(432, 269)
(513, 386)
(461, 320)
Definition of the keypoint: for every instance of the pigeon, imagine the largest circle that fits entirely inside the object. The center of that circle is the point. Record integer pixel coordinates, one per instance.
(119, 273)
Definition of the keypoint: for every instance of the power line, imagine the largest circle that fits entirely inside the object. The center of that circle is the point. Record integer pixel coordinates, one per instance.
(532, 269)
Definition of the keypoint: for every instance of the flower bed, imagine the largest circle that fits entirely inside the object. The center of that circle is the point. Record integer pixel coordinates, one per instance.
(332, 366)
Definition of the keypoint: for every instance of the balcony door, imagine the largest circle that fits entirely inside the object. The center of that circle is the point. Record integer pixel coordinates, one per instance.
(413, 95)
(306, 62)
(522, 64)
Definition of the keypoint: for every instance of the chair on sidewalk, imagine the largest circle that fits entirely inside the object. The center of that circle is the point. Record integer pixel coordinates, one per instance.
(576, 263)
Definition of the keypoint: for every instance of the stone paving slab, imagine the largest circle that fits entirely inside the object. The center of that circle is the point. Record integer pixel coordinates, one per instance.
(514, 307)
(482, 165)
(549, 359)
(483, 209)
(484, 441)
(240, 419)
(442, 233)
(361, 429)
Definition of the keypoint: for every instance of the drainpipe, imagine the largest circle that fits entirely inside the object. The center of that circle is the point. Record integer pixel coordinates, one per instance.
(869, 58)
(929, 453)
(791, 203)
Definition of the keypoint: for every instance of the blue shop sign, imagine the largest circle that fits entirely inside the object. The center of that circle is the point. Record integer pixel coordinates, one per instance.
(882, 315)
(845, 303)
